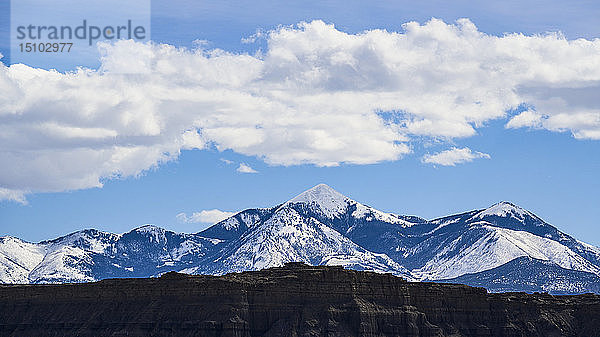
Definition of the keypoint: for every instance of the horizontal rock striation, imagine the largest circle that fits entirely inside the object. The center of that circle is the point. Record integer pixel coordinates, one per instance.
(295, 300)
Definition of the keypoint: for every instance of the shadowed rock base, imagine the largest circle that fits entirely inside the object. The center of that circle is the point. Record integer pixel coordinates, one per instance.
(296, 300)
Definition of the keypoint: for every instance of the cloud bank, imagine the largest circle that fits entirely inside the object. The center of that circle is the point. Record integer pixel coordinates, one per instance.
(316, 95)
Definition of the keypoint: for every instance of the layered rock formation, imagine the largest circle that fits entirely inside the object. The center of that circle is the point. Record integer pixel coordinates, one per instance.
(295, 300)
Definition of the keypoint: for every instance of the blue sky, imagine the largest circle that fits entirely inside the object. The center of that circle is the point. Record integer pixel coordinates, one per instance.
(543, 169)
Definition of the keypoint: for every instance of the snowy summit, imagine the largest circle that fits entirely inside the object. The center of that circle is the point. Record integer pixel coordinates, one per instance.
(329, 201)
(504, 209)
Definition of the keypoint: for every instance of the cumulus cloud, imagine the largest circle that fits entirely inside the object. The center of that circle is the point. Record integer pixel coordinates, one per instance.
(527, 118)
(315, 95)
(574, 108)
(205, 216)
(245, 168)
(454, 156)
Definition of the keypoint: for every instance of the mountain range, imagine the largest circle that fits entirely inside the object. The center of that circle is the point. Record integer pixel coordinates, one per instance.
(501, 248)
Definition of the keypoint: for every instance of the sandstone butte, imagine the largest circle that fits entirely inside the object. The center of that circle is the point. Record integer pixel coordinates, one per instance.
(294, 300)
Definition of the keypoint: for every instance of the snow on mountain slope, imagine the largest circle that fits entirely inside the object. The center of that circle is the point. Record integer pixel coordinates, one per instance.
(289, 236)
(233, 227)
(64, 265)
(17, 259)
(370, 214)
(24, 254)
(71, 258)
(508, 215)
(494, 247)
(150, 250)
(89, 240)
(11, 272)
(479, 240)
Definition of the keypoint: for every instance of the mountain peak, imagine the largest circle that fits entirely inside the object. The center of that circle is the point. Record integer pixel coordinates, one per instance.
(317, 191)
(503, 209)
(149, 229)
(328, 200)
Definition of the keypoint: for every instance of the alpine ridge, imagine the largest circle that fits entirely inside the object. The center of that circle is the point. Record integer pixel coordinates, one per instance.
(487, 248)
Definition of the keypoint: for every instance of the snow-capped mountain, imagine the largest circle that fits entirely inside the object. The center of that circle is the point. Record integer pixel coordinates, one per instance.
(289, 235)
(490, 247)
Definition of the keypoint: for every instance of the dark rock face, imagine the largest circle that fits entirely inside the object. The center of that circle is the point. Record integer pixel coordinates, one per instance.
(296, 300)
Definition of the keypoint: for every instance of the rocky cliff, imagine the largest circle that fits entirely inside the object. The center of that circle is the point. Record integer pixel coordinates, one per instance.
(295, 300)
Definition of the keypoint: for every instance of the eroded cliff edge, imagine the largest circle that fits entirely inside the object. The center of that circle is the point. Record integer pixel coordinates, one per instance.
(296, 300)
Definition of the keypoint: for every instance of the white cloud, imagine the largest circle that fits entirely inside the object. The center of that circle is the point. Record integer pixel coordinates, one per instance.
(527, 118)
(226, 161)
(205, 216)
(245, 168)
(312, 97)
(574, 108)
(13, 195)
(454, 156)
